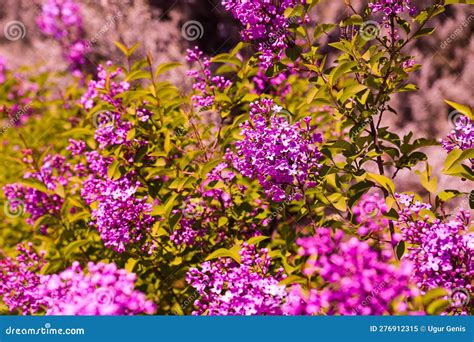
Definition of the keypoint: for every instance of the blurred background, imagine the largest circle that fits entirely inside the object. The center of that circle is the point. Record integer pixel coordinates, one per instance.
(167, 28)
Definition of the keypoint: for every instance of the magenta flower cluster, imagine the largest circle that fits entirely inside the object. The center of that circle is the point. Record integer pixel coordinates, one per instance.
(102, 290)
(264, 22)
(357, 280)
(442, 252)
(52, 173)
(227, 287)
(461, 137)
(20, 280)
(283, 157)
(62, 20)
(204, 82)
(391, 8)
(121, 217)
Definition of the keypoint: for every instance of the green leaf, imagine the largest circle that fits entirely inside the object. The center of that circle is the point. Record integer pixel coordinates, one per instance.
(461, 108)
(434, 294)
(423, 32)
(400, 249)
(74, 247)
(383, 181)
(224, 253)
(257, 239)
(162, 68)
(113, 172)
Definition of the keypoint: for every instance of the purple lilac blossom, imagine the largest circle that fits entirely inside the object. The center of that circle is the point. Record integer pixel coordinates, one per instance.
(226, 287)
(278, 154)
(442, 252)
(358, 280)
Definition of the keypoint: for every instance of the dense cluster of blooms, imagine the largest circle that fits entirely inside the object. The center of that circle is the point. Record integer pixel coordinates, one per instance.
(20, 280)
(280, 155)
(442, 252)
(264, 22)
(62, 20)
(227, 287)
(461, 137)
(121, 217)
(357, 280)
(204, 81)
(103, 290)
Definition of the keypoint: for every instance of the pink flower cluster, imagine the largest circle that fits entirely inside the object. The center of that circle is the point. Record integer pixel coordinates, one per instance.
(20, 280)
(102, 290)
(121, 217)
(226, 287)
(461, 137)
(204, 82)
(53, 172)
(278, 154)
(61, 20)
(264, 22)
(442, 252)
(391, 8)
(357, 280)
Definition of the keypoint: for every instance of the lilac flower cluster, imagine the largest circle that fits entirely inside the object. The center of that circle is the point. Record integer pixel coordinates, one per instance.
(20, 280)
(204, 82)
(357, 279)
(103, 290)
(121, 217)
(246, 288)
(264, 22)
(101, 89)
(442, 252)
(62, 20)
(53, 172)
(461, 137)
(278, 154)
(391, 8)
